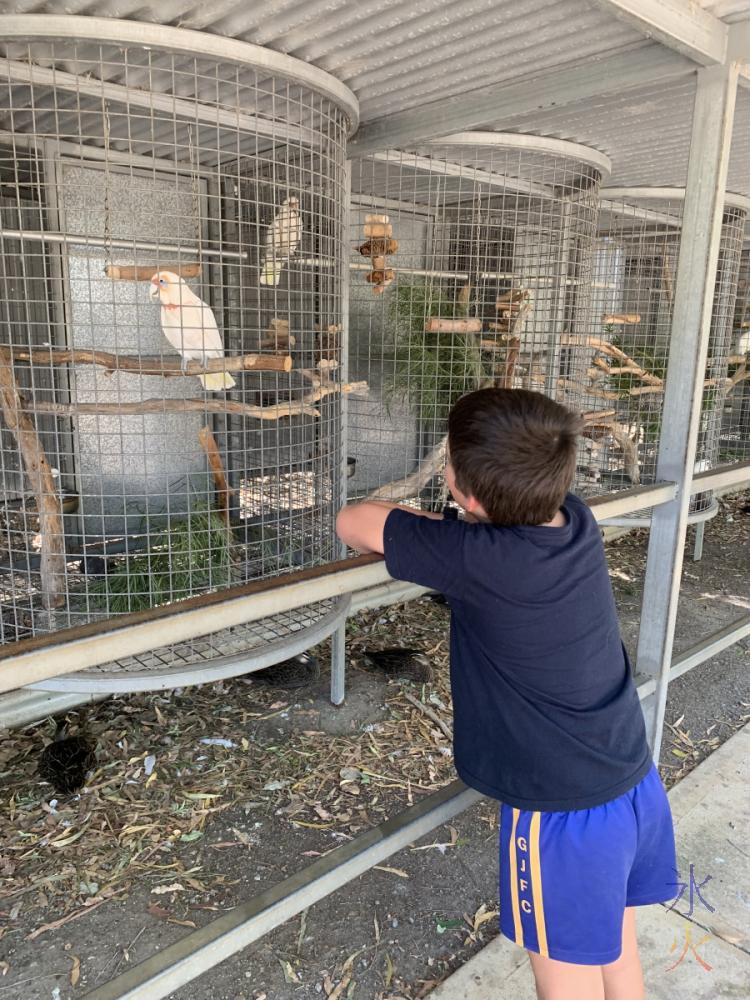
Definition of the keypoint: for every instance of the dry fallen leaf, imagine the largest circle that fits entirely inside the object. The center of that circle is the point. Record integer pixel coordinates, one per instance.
(75, 972)
(160, 890)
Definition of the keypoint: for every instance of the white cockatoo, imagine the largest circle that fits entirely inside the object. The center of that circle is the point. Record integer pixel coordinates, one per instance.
(743, 344)
(190, 326)
(283, 238)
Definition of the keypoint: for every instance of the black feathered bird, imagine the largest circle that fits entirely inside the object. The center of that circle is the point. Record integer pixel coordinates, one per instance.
(410, 664)
(296, 672)
(65, 761)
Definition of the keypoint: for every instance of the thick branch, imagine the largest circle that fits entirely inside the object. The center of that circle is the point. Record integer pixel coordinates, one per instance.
(626, 444)
(223, 489)
(289, 408)
(440, 324)
(597, 416)
(409, 486)
(42, 485)
(146, 365)
(621, 319)
(145, 272)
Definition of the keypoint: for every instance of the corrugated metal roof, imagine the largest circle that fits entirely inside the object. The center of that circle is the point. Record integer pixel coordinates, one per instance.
(400, 54)
(393, 54)
(646, 133)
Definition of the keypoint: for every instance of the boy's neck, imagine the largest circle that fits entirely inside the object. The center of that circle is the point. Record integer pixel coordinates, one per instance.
(558, 521)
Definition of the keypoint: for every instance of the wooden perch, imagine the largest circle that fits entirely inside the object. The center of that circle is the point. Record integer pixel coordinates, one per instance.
(599, 427)
(621, 319)
(382, 247)
(42, 485)
(380, 277)
(378, 230)
(277, 337)
(740, 375)
(597, 416)
(223, 489)
(512, 301)
(504, 379)
(145, 272)
(666, 279)
(599, 344)
(146, 365)
(438, 324)
(567, 383)
(290, 408)
(327, 341)
(409, 486)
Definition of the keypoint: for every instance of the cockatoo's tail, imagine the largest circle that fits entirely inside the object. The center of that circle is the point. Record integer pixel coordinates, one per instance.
(190, 326)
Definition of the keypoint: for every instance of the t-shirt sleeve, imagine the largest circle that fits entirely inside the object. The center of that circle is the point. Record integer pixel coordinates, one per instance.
(425, 551)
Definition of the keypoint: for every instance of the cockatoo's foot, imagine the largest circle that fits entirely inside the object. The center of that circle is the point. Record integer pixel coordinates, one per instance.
(183, 363)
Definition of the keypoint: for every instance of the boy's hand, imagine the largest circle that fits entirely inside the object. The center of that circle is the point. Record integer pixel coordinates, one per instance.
(361, 525)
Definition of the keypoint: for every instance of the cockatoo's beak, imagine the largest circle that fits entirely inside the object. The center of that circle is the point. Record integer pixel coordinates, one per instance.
(154, 292)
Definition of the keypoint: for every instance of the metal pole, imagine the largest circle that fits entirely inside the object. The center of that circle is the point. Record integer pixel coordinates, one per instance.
(193, 954)
(713, 115)
(700, 531)
(338, 643)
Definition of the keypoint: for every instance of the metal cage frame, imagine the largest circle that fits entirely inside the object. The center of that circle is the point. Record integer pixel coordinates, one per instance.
(279, 83)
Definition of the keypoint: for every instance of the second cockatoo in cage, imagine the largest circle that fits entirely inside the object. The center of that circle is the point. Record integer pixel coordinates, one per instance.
(190, 326)
(283, 238)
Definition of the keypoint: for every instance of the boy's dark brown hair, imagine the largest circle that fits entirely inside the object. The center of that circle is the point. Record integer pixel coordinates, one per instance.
(514, 451)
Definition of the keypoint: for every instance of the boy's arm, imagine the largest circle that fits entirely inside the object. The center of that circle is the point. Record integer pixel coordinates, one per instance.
(361, 525)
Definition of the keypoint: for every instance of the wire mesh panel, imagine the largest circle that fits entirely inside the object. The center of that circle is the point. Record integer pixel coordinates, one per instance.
(735, 429)
(471, 266)
(637, 255)
(171, 423)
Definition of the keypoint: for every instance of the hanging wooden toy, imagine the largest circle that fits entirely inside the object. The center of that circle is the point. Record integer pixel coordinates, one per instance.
(379, 244)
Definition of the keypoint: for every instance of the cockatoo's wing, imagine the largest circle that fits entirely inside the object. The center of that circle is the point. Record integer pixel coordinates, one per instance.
(193, 332)
(283, 238)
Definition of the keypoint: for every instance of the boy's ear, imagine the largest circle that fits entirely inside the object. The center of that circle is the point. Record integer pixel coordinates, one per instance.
(473, 506)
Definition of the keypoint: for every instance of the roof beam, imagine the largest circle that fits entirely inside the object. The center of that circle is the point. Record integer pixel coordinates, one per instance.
(679, 24)
(738, 49)
(491, 106)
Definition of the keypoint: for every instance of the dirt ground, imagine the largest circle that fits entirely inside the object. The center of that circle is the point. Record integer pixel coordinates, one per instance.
(170, 832)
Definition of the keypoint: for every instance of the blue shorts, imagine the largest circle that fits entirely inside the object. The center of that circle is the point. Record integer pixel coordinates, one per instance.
(566, 877)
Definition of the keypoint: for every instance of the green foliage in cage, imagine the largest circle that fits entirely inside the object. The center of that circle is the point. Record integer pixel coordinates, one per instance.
(651, 360)
(429, 371)
(193, 556)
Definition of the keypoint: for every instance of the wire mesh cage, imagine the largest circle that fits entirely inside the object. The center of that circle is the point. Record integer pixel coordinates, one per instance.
(471, 266)
(637, 253)
(735, 429)
(170, 422)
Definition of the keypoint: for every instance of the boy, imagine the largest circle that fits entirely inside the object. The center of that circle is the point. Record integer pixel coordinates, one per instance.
(546, 715)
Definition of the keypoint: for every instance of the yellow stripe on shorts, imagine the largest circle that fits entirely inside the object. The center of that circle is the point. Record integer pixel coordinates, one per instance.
(517, 927)
(536, 883)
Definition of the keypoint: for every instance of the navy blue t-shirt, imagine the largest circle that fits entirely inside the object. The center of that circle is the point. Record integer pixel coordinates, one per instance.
(546, 714)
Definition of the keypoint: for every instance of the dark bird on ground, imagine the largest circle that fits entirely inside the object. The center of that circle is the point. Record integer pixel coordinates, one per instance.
(296, 672)
(93, 566)
(65, 761)
(409, 664)
(437, 598)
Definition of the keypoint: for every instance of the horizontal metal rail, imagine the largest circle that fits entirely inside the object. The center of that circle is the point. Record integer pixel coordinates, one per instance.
(193, 954)
(704, 650)
(722, 477)
(74, 239)
(34, 660)
(69, 650)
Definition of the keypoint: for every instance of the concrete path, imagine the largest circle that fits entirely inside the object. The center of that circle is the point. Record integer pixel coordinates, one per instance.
(711, 810)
